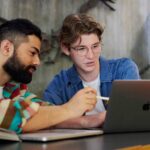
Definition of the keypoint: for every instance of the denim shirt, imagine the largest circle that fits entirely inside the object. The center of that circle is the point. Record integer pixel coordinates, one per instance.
(65, 84)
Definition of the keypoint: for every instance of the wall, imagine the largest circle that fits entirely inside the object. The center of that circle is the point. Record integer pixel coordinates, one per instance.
(127, 30)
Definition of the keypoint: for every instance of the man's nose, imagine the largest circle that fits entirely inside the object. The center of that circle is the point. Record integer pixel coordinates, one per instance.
(90, 53)
(36, 61)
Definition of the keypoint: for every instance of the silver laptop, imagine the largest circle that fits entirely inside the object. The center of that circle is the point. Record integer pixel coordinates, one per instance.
(129, 107)
(58, 134)
(128, 111)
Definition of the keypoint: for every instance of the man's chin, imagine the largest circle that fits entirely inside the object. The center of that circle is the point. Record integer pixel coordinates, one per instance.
(24, 81)
(89, 69)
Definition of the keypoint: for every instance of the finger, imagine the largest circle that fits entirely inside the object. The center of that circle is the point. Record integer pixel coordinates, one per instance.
(90, 107)
(91, 95)
(89, 90)
(91, 102)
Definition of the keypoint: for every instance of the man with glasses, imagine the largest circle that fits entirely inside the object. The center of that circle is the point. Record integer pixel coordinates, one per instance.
(80, 39)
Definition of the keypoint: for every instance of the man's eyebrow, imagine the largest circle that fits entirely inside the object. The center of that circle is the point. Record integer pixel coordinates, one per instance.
(85, 45)
(97, 43)
(37, 50)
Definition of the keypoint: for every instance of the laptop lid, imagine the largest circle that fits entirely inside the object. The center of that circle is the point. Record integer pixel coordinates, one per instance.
(58, 134)
(129, 107)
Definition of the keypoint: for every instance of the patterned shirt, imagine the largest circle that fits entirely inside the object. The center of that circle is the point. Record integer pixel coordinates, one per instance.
(17, 106)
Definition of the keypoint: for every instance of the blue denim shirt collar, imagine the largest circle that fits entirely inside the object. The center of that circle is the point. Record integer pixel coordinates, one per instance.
(73, 76)
(105, 74)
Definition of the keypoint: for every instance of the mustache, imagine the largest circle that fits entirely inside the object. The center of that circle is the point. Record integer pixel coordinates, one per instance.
(31, 67)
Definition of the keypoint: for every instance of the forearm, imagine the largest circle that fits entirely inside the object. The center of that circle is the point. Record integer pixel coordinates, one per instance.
(71, 123)
(47, 116)
(90, 121)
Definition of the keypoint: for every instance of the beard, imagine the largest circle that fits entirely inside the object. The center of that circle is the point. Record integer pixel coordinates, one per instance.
(18, 71)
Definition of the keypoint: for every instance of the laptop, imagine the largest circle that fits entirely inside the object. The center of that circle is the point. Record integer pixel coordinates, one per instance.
(59, 134)
(128, 111)
(129, 107)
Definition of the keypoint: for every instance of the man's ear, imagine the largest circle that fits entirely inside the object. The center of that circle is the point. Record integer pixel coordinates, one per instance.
(7, 47)
(65, 49)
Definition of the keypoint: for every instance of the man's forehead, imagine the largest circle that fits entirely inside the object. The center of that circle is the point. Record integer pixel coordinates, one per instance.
(35, 42)
(86, 39)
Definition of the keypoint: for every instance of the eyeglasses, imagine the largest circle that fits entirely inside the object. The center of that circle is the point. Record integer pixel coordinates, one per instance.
(83, 50)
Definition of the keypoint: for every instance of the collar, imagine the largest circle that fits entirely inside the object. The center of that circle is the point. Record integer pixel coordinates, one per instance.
(105, 72)
(73, 76)
(9, 88)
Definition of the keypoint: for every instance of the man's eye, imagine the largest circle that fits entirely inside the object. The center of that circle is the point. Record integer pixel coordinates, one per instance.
(80, 48)
(95, 46)
(32, 53)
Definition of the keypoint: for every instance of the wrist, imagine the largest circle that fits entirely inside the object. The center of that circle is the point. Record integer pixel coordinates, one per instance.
(68, 110)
